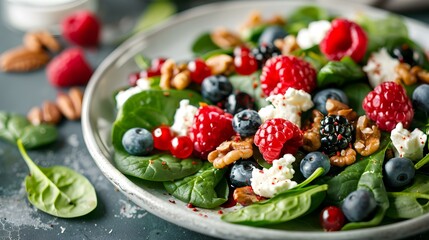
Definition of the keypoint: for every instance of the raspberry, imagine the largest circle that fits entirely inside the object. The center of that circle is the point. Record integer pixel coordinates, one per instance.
(277, 137)
(82, 28)
(388, 105)
(345, 38)
(283, 72)
(69, 69)
(211, 127)
(336, 134)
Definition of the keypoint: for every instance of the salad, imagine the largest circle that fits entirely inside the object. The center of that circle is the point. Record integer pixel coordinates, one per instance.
(309, 115)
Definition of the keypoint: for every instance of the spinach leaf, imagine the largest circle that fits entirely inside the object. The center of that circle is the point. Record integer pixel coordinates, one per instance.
(157, 167)
(149, 109)
(252, 34)
(283, 207)
(317, 173)
(372, 180)
(251, 85)
(58, 190)
(313, 56)
(14, 127)
(203, 45)
(339, 73)
(201, 189)
(356, 92)
(422, 162)
(301, 17)
(412, 201)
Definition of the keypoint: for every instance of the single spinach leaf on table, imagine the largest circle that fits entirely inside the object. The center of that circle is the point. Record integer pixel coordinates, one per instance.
(250, 84)
(339, 73)
(158, 167)
(412, 201)
(283, 207)
(14, 127)
(206, 189)
(203, 45)
(58, 190)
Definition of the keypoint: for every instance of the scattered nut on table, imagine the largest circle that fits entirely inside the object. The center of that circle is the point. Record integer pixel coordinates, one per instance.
(70, 104)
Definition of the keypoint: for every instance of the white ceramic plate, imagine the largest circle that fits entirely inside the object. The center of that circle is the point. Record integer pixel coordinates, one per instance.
(173, 39)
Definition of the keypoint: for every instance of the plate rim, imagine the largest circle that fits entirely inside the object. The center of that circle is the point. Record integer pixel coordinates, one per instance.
(171, 213)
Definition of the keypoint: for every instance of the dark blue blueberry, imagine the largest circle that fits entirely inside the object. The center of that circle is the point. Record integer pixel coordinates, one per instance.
(358, 205)
(270, 34)
(216, 88)
(312, 161)
(246, 122)
(406, 54)
(137, 141)
(421, 97)
(321, 97)
(398, 172)
(238, 102)
(241, 173)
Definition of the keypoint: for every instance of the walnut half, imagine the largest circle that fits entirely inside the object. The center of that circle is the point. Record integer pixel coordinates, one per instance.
(344, 158)
(367, 137)
(230, 151)
(311, 137)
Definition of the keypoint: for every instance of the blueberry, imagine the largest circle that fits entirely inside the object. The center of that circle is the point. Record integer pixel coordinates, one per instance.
(216, 88)
(358, 205)
(420, 97)
(238, 102)
(270, 34)
(406, 54)
(246, 122)
(321, 97)
(241, 173)
(312, 161)
(398, 172)
(137, 141)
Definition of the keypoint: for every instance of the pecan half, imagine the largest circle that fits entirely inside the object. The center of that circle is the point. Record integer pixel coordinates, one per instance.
(48, 113)
(311, 137)
(70, 104)
(36, 41)
(22, 60)
(230, 151)
(367, 137)
(344, 158)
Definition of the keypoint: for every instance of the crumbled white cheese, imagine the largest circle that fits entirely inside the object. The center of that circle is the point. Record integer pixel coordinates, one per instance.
(287, 106)
(268, 182)
(313, 35)
(381, 68)
(183, 118)
(408, 144)
(122, 96)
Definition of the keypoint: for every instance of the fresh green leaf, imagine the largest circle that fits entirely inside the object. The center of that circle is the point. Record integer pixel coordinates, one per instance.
(422, 162)
(372, 180)
(317, 173)
(303, 16)
(14, 127)
(251, 85)
(339, 72)
(201, 189)
(259, 158)
(356, 92)
(313, 56)
(412, 201)
(58, 190)
(252, 34)
(283, 207)
(158, 167)
(203, 45)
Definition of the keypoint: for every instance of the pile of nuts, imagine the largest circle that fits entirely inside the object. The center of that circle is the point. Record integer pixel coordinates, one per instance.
(409, 75)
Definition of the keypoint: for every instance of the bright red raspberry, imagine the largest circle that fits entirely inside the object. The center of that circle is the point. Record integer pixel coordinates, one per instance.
(70, 68)
(277, 137)
(82, 28)
(388, 105)
(283, 72)
(211, 127)
(345, 38)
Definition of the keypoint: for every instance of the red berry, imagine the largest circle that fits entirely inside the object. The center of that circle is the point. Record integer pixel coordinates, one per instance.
(199, 70)
(283, 72)
(245, 64)
(181, 147)
(345, 38)
(211, 127)
(82, 28)
(70, 68)
(155, 66)
(332, 218)
(148, 73)
(388, 105)
(277, 137)
(162, 137)
(241, 51)
(132, 79)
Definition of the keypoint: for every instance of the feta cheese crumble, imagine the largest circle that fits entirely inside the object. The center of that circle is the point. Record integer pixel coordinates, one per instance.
(381, 68)
(122, 96)
(313, 35)
(268, 182)
(287, 106)
(408, 144)
(184, 118)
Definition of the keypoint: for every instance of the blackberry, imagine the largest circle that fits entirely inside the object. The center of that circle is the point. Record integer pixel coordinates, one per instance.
(336, 134)
(264, 52)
